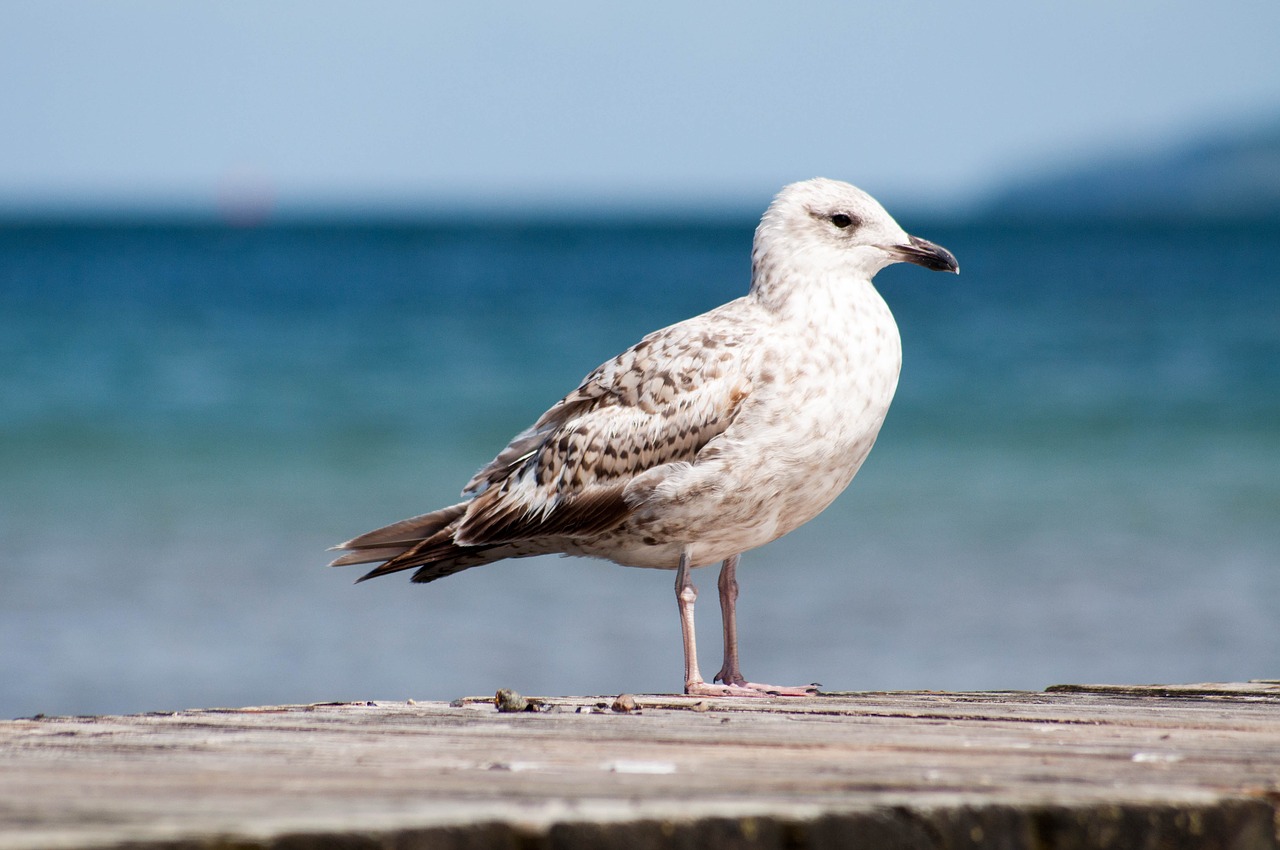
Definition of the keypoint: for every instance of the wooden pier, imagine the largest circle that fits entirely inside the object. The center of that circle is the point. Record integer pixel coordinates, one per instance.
(1073, 767)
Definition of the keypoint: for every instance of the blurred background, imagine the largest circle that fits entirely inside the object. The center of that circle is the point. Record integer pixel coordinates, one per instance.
(274, 274)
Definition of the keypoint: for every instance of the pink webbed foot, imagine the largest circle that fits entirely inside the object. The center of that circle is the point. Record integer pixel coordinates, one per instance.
(706, 689)
(783, 690)
(738, 683)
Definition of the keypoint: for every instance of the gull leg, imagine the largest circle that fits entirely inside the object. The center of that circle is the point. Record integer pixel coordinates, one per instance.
(730, 673)
(686, 595)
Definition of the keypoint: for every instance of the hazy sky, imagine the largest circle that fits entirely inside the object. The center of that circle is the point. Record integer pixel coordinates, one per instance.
(582, 102)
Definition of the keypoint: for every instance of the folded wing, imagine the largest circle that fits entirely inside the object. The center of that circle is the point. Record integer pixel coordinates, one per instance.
(659, 402)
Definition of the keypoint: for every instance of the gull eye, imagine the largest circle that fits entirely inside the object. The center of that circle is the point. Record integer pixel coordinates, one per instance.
(841, 220)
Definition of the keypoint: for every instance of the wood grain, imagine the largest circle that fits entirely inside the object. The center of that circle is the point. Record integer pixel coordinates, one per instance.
(1078, 766)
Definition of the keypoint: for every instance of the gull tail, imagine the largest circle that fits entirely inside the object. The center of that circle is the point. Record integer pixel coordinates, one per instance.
(399, 536)
(425, 542)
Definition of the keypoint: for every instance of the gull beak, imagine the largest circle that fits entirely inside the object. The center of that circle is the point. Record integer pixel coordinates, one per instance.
(925, 253)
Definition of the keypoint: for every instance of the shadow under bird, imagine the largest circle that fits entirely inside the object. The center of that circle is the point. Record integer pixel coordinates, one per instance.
(707, 438)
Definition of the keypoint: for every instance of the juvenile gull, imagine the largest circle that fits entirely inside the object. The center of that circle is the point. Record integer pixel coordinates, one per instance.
(707, 438)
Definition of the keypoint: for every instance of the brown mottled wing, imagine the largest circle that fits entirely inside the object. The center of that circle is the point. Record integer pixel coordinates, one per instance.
(659, 402)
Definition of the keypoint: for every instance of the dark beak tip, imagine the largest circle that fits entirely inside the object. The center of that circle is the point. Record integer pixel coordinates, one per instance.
(933, 257)
(945, 263)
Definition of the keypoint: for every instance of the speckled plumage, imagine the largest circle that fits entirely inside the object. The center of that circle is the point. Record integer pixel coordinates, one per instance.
(709, 437)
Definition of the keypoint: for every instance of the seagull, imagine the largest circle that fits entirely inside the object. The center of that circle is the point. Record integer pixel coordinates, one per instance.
(707, 438)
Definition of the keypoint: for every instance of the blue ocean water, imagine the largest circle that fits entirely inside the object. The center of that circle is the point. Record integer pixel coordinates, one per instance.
(1079, 480)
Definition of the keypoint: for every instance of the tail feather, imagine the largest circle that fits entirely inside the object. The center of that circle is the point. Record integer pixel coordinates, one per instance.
(465, 557)
(436, 551)
(425, 543)
(439, 559)
(407, 532)
(367, 556)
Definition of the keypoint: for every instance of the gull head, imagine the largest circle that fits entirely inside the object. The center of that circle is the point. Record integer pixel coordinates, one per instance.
(834, 227)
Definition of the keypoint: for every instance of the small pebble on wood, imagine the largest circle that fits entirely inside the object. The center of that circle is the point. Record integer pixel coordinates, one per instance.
(508, 701)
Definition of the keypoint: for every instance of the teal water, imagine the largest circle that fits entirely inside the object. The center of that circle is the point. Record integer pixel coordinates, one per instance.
(1079, 480)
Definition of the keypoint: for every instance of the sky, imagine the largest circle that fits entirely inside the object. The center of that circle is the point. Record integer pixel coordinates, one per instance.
(159, 104)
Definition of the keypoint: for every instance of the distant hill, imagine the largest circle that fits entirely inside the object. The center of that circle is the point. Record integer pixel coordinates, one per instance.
(1229, 176)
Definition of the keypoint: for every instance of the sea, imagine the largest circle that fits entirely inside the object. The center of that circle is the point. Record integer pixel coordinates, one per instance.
(1079, 480)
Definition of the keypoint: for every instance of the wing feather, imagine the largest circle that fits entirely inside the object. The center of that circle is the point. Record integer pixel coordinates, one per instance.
(657, 403)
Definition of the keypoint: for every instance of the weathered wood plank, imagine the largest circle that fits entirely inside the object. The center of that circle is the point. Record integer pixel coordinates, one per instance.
(1082, 767)
(1253, 687)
